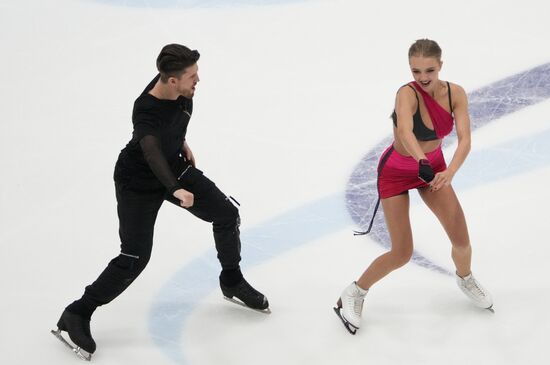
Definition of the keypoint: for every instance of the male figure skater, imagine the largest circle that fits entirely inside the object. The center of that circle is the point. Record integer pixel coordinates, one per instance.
(157, 165)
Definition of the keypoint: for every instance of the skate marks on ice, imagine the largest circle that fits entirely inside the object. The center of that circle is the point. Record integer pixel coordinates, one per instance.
(486, 105)
(83, 355)
(178, 298)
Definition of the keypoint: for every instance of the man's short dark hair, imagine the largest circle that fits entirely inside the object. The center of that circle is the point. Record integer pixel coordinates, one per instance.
(174, 59)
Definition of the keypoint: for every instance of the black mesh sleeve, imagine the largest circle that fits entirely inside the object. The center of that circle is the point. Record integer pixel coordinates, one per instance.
(152, 152)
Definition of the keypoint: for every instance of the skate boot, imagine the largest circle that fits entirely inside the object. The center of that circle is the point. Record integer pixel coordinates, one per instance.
(473, 290)
(350, 306)
(78, 329)
(247, 296)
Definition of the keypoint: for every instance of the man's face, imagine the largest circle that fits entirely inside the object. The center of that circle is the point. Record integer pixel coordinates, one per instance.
(186, 83)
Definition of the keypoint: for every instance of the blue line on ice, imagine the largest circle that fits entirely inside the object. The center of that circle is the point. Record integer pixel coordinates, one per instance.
(185, 290)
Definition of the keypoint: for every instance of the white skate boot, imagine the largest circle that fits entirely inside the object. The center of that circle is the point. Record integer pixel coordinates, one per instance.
(350, 306)
(473, 290)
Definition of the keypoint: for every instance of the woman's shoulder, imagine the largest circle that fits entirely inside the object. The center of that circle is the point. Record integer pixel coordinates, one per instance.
(407, 88)
(457, 92)
(455, 88)
(406, 91)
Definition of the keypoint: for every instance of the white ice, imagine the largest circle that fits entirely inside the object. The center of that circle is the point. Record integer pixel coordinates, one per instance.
(292, 95)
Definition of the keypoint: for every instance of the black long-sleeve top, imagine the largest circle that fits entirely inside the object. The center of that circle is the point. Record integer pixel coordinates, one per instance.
(151, 160)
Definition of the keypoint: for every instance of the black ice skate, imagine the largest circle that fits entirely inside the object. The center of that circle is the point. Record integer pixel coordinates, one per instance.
(78, 329)
(247, 296)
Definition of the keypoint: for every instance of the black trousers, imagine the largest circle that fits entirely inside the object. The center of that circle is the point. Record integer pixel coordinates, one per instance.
(137, 212)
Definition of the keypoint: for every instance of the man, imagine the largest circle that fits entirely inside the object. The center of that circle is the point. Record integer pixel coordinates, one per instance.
(156, 165)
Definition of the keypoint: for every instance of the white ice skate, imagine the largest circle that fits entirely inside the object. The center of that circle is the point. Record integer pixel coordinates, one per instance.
(350, 306)
(473, 290)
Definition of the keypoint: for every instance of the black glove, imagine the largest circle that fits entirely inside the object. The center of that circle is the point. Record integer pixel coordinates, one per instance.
(425, 171)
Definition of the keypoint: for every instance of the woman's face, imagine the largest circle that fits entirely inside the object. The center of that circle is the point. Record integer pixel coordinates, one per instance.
(425, 71)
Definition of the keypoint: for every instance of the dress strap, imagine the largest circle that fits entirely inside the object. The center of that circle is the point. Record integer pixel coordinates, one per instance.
(380, 166)
(450, 101)
(415, 93)
(362, 233)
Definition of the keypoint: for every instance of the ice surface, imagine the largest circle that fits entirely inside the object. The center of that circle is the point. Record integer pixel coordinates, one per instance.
(290, 116)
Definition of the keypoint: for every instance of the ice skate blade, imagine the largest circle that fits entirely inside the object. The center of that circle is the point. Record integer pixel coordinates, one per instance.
(351, 329)
(83, 355)
(264, 311)
(490, 309)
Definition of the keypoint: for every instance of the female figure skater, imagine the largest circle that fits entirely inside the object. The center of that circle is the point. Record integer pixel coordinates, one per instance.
(423, 116)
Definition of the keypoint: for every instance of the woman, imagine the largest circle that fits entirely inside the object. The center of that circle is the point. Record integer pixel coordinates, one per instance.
(423, 116)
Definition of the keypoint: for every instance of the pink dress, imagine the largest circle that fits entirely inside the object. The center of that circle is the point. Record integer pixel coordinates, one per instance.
(397, 174)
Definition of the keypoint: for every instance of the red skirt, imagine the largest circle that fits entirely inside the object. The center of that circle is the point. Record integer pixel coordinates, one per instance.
(398, 174)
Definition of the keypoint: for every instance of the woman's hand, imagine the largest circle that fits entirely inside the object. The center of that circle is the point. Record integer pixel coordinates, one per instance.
(425, 171)
(442, 179)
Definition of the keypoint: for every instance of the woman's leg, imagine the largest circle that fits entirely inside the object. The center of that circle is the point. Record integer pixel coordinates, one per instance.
(396, 213)
(446, 207)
